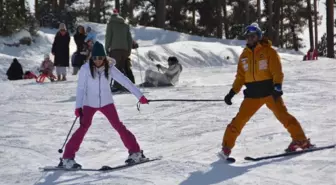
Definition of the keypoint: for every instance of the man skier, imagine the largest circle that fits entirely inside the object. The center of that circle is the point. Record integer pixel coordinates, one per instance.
(259, 69)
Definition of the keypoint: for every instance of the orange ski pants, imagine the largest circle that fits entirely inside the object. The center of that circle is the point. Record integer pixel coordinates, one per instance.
(249, 107)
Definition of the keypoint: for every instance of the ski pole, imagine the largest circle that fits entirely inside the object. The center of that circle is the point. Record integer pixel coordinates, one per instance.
(139, 65)
(182, 100)
(188, 100)
(61, 150)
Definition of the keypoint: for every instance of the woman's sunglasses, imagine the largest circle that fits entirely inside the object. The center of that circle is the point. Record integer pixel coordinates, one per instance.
(98, 58)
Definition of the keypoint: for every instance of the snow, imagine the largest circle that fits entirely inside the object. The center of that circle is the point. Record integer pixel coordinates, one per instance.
(35, 119)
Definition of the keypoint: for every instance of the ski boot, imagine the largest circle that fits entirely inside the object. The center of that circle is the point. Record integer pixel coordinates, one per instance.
(136, 157)
(294, 145)
(69, 164)
(224, 153)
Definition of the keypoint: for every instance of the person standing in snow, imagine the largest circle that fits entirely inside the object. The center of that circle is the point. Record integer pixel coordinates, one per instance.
(79, 55)
(118, 43)
(169, 77)
(94, 94)
(61, 51)
(259, 69)
(15, 71)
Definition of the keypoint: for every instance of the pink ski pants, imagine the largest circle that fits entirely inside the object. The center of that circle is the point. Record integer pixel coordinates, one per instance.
(111, 113)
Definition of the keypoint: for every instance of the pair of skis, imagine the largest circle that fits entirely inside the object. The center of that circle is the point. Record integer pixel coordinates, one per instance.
(248, 158)
(103, 168)
(229, 160)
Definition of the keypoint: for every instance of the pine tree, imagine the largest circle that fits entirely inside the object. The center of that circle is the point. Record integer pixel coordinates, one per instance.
(294, 20)
(330, 29)
(15, 15)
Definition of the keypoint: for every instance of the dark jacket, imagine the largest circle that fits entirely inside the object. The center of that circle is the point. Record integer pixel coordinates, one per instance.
(118, 35)
(15, 71)
(61, 50)
(79, 40)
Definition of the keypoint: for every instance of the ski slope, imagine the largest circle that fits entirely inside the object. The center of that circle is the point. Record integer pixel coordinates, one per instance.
(35, 119)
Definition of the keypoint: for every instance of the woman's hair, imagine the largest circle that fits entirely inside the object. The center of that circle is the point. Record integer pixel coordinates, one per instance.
(106, 66)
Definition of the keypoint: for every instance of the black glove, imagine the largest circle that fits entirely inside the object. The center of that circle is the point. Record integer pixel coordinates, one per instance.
(277, 91)
(229, 96)
(135, 45)
(158, 66)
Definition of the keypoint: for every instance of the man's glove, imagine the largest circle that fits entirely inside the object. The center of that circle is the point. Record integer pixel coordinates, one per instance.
(135, 45)
(229, 96)
(277, 91)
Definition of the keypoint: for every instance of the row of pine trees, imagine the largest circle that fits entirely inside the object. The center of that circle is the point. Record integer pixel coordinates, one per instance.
(282, 20)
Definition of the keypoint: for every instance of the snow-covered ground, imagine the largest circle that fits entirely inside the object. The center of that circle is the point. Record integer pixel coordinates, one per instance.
(35, 119)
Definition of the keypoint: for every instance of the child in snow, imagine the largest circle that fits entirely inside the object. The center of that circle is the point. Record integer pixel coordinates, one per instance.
(47, 66)
(94, 94)
(259, 69)
(169, 77)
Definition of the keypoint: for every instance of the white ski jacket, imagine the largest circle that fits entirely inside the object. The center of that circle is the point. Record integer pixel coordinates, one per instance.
(96, 92)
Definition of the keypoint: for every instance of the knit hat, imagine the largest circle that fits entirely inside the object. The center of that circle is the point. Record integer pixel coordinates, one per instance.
(253, 29)
(62, 26)
(98, 50)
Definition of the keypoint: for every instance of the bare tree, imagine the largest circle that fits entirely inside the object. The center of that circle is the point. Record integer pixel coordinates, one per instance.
(226, 26)
(117, 5)
(91, 11)
(160, 13)
(315, 23)
(130, 9)
(258, 11)
(1, 7)
(36, 9)
(61, 5)
(97, 10)
(219, 19)
(193, 15)
(247, 12)
(330, 29)
(54, 5)
(277, 5)
(270, 18)
(22, 9)
(281, 27)
(310, 24)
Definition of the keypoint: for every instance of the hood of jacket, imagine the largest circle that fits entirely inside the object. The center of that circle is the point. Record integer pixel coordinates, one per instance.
(117, 19)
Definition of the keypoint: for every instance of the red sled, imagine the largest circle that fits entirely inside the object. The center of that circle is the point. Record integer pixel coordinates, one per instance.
(41, 78)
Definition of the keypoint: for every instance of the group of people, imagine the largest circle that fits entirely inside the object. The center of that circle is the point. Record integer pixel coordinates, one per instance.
(259, 69)
(118, 45)
(15, 70)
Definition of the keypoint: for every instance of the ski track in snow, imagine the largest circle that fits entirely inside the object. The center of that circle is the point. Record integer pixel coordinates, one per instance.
(37, 117)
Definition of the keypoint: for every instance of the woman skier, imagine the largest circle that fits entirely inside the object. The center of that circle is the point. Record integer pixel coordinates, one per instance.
(94, 94)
